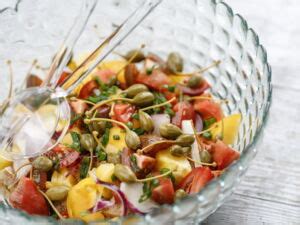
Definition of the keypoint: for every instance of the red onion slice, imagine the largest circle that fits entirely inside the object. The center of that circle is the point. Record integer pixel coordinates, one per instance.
(198, 123)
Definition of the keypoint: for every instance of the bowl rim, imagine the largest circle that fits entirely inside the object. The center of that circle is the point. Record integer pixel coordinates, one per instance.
(248, 150)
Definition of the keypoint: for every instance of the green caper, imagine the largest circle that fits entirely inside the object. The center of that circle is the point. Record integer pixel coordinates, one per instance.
(135, 89)
(98, 126)
(169, 131)
(179, 194)
(205, 156)
(57, 193)
(186, 150)
(176, 150)
(185, 140)
(137, 55)
(124, 173)
(42, 163)
(143, 99)
(87, 142)
(175, 62)
(132, 140)
(145, 121)
(194, 81)
(113, 158)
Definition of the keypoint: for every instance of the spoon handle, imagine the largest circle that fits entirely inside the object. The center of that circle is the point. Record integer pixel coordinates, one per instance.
(65, 52)
(109, 44)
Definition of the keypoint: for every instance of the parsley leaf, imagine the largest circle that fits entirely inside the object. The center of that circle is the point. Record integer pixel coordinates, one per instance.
(76, 141)
(105, 137)
(147, 189)
(208, 122)
(100, 153)
(84, 167)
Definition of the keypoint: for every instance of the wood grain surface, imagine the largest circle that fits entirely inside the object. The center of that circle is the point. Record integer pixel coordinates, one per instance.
(270, 191)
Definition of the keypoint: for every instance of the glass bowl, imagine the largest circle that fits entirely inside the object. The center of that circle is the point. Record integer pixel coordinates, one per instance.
(201, 30)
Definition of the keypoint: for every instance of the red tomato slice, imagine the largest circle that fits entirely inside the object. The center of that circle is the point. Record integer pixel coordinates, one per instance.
(196, 180)
(123, 112)
(27, 197)
(208, 109)
(70, 159)
(184, 111)
(105, 75)
(164, 193)
(223, 155)
(156, 80)
(194, 91)
(87, 89)
(145, 162)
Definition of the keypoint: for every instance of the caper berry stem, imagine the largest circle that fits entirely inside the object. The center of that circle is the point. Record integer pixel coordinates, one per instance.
(105, 102)
(95, 135)
(155, 177)
(21, 167)
(51, 204)
(130, 59)
(145, 149)
(207, 98)
(214, 164)
(209, 129)
(159, 105)
(215, 63)
(87, 121)
(73, 98)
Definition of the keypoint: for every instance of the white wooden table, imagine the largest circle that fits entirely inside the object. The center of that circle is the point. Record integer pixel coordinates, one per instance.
(270, 191)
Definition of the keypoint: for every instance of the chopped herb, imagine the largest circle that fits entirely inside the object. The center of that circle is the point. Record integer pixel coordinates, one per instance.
(149, 70)
(207, 135)
(114, 178)
(97, 99)
(75, 118)
(76, 141)
(116, 137)
(105, 137)
(169, 111)
(100, 153)
(129, 124)
(208, 122)
(171, 176)
(133, 164)
(135, 116)
(138, 131)
(147, 189)
(84, 167)
(171, 88)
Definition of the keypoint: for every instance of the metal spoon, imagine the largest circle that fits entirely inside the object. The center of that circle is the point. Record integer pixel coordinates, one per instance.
(54, 98)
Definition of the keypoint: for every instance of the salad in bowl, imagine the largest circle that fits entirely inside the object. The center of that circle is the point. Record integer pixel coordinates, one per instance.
(143, 133)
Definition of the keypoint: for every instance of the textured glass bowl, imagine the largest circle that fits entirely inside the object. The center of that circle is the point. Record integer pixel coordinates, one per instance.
(201, 30)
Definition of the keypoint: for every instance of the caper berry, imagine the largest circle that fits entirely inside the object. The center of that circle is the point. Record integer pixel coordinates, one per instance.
(179, 194)
(135, 89)
(143, 99)
(185, 140)
(57, 193)
(132, 140)
(194, 81)
(145, 121)
(137, 55)
(169, 131)
(87, 142)
(42, 163)
(186, 150)
(98, 126)
(124, 173)
(176, 150)
(205, 156)
(175, 62)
